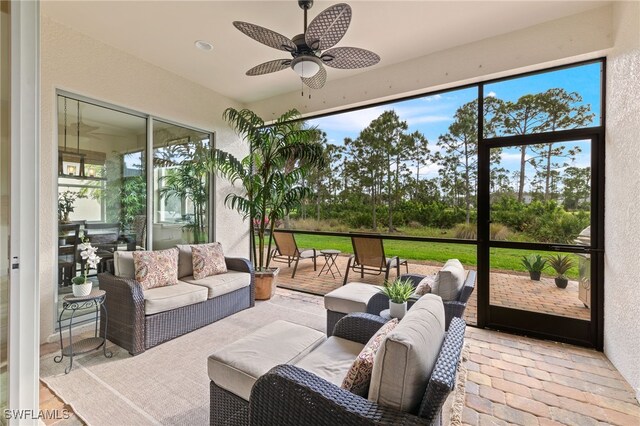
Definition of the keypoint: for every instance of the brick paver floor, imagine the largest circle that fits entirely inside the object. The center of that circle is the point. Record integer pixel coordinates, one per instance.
(524, 381)
(508, 289)
(510, 380)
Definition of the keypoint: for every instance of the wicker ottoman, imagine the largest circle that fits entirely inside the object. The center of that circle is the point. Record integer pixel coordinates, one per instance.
(234, 369)
(351, 297)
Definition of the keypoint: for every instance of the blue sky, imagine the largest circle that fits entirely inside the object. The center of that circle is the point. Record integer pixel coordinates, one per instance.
(432, 115)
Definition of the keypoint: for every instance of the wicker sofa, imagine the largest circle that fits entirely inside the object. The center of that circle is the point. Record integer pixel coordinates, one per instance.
(413, 373)
(139, 319)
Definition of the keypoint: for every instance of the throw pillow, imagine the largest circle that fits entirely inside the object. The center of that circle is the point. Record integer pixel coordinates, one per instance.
(359, 375)
(208, 259)
(425, 285)
(156, 268)
(449, 280)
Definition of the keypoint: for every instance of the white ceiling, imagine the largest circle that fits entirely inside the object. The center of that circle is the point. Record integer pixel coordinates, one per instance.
(163, 33)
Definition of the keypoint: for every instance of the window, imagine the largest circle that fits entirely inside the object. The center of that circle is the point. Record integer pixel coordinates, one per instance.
(181, 185)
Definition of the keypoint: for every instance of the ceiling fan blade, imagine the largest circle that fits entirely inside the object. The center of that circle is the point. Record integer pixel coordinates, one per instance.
(266, 36)
(269, 67)
(328, 27)
(318, 80)
(349, 58)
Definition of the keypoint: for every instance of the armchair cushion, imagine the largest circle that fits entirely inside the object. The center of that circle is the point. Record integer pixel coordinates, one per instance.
(208, 260)
(449, 280)
(156, 268)
(359, 375)
(332, 359)
(218, 285)
(405, 360)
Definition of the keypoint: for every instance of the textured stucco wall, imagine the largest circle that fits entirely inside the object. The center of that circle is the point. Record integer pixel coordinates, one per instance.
(74, 62)
(622, 210)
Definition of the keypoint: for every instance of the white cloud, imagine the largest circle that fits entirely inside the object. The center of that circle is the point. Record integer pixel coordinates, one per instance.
(491, 94)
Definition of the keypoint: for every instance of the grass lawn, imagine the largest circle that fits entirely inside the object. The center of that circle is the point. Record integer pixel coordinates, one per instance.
(502, 259)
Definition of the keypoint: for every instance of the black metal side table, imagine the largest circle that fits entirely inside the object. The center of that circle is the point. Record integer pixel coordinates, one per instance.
(330, 257)
(70, 302)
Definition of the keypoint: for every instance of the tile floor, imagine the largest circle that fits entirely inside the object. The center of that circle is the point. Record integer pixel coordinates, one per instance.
(512, 380)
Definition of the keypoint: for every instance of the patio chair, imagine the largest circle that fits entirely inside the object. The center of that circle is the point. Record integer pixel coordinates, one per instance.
(368, 258)
(287, 251)
(68, 239)
(105, 237)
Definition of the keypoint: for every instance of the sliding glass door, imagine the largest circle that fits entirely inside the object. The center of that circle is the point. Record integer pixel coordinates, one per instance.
(5, 199)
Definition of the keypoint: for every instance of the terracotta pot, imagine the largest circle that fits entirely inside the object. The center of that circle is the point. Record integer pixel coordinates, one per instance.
(266, 284)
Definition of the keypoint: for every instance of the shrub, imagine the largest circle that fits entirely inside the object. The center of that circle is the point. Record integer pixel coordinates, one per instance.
(466, 231)
(499, 232)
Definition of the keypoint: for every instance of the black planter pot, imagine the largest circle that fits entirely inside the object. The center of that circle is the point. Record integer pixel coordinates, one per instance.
(534, 275)
(562, 282)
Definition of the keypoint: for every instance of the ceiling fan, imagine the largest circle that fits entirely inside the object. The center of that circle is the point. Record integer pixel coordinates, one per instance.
(309, 50)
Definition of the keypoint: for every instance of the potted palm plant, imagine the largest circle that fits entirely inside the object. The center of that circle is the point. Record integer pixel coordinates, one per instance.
(271, 176)
(398, 292)
(534, 264)
(561, 263)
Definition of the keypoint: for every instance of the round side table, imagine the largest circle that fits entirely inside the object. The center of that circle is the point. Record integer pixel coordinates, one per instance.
(71, 303)
(386, 314)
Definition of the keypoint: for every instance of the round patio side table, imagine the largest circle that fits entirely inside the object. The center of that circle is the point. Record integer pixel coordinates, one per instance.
(95, 299)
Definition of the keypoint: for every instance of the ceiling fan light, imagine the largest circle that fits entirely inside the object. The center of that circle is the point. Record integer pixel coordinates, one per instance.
(306, 66)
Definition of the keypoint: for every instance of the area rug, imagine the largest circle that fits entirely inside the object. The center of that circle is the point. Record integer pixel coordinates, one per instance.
(167, 384)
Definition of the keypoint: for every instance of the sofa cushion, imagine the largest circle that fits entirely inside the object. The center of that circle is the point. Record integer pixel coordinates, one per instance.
(405, 360)
(352, 297)
(237, 366)
(185, 260)
(161, 299)
(208, 259)
(223, 283)
(156, 268)
(449, 280)
(332, 359)
(359, 375)
(123, 265)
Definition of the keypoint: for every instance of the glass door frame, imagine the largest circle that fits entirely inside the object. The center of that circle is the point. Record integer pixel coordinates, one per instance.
(584, 333)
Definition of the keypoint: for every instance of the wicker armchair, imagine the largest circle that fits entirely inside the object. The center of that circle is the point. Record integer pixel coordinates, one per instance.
(134, 331)
(452, 308)
(289, 395)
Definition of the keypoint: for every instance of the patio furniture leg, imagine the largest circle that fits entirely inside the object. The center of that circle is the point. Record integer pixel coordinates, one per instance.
(315, 257)
(295, 267)
(346, 274)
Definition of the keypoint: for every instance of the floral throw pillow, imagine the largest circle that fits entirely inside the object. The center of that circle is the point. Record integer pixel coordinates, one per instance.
(156, 268)
(208, 259)
(425, 285)
(359, 375)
